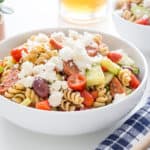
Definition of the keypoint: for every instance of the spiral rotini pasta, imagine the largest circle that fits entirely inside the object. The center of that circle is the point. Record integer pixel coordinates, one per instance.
(16, 93)
(67, 106)
(73, 97)
(97, 39)
(103, 98)
(29, 93)
(103, 49)
(125, 77)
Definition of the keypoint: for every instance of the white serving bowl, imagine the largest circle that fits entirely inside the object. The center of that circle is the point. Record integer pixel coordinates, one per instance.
(79, 122)
(138, 34)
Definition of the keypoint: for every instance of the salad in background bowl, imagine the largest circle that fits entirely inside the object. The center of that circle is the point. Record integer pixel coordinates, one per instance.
(137, 11)
(131, 19)
(77, 78)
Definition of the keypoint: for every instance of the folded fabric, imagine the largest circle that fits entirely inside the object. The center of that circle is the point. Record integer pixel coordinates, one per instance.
(132, 130)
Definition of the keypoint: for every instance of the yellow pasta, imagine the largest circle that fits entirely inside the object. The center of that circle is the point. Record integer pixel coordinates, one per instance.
(103, 49)
(19, 93)
(16, 93)
(98, 39)
(30, 94)
(67, 106)
(125, 77)
(73, 97)
(103, 98)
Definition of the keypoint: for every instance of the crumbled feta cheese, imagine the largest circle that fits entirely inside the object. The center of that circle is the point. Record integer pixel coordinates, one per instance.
(41, 38)
(57, 85)
(26, 69)
(16, 66)
(38, 69)
(146, 3)
(58, 62)
(66, 53)
(32, 44)
(27, 82)
(118, 97)
(87, 38)
(74, 35)
(55, 98)
(49, 76)
(58, 36)
(49, 66)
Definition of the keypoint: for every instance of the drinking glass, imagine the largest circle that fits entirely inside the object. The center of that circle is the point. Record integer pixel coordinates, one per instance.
(83, 11)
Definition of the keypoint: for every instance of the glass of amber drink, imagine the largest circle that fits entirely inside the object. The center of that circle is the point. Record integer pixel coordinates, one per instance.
(82, 11)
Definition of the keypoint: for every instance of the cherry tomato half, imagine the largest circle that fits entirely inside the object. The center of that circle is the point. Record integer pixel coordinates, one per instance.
(88, 98)
(77, 82)
(17, 53)
(134, 83)
(43, 105)
(55, 45)
(143, 21)
(114, 56)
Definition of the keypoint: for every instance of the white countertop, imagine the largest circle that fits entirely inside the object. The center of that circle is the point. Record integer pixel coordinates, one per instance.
(33, 14)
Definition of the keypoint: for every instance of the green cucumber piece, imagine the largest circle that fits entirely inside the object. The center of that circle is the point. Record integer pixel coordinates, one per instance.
(108, 77)
(95, 76)
(135, 69)
(110, 66)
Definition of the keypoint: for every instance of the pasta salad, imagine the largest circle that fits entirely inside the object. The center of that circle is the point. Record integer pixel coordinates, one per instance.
(67, 72)
(137, 11)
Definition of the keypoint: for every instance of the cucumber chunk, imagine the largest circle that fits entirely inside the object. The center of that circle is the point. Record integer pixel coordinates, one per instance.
(110, 66)
(108, 77)
(95, 76)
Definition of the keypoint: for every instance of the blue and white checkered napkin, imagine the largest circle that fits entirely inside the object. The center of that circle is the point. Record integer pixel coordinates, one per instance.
(130, 132)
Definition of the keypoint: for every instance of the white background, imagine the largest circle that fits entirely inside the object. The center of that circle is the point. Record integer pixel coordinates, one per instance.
(33, 14)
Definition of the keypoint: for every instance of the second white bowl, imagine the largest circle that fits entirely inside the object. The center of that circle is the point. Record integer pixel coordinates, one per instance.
(139, 35)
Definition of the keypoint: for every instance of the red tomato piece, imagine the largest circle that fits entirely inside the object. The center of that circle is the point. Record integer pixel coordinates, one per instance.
(77, 82)
(116, 87)
(134, 83)
(143, 21)
(88, 98)
(92, 51)
(55, 44)
(43, 105)
(104, 69)
(94, 94)
(17, 53)
(70, 68)
(114, 56)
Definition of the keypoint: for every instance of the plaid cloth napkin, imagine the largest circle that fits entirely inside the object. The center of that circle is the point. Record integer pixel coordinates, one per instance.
(130, 132)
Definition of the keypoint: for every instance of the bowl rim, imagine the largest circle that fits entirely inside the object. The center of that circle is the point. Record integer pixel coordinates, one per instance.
(63, 29)
(129, 22)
